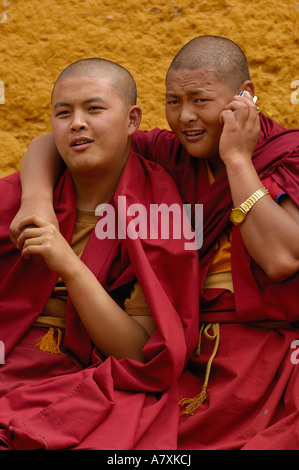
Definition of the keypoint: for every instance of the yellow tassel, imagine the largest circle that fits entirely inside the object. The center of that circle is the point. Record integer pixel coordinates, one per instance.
(194, 403)
(49, 344)
(267, 113)
(197, 352)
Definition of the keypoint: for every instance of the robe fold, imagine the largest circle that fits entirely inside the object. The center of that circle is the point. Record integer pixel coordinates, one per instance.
(81, 400)
(253, 389)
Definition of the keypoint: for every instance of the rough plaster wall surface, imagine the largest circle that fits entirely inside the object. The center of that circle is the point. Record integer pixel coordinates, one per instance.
(38, 38)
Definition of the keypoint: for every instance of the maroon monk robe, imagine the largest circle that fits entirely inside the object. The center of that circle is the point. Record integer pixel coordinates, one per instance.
(252, 396)
(92, 402)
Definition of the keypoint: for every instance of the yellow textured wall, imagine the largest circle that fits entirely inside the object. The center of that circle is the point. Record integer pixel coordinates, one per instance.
(39, 38)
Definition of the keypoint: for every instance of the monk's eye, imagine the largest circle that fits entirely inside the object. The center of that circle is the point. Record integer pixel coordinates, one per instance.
(63, 113)
(172, 102)
(95, 108)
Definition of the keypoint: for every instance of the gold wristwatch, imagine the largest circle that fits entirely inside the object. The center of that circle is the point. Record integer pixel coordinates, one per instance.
(238, 214)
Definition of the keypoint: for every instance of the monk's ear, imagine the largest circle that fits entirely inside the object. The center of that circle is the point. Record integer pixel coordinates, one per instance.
(247, 86)
(135, 115)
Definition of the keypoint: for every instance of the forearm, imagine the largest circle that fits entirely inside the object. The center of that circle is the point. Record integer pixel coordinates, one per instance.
(110, 328)
(40, 169)
(39, 172)
(269, 232)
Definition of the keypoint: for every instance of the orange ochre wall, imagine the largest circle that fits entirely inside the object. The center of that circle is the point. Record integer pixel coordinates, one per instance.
(39, 38)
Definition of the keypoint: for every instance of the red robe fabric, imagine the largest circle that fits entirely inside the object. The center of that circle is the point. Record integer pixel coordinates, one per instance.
(83, 401)
(253, 390)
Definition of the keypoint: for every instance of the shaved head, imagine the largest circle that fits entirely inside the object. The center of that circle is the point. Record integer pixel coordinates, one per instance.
(121, 80)
(218, 54)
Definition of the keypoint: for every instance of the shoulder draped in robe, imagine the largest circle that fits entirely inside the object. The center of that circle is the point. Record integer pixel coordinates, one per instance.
(107, 403)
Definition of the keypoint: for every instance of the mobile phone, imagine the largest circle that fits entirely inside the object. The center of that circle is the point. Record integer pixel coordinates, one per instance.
(254, 99)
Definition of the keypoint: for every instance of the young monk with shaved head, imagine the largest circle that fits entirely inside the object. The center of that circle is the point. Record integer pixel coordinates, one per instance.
(240, 388)
(91, 319)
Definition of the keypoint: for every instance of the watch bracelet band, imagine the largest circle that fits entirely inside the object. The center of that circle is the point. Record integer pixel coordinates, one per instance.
(247, 205)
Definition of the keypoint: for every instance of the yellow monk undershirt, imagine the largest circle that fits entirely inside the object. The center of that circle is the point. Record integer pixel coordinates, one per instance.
(219, 274)
(53, 314)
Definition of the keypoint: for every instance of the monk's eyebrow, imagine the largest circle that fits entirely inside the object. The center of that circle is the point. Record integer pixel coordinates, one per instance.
(191, 93)
(60, 104)
(197, 92)
(97, 99)
(93, 99)
(200, 92)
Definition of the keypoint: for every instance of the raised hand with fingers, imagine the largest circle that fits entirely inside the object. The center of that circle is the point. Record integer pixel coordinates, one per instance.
(40, 238)
(241, 130)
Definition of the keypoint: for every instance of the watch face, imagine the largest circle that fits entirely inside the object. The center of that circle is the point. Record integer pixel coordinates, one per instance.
(237, 216)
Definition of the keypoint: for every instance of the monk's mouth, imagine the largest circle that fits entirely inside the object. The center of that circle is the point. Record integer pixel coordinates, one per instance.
(77, 144)
(193, 135)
